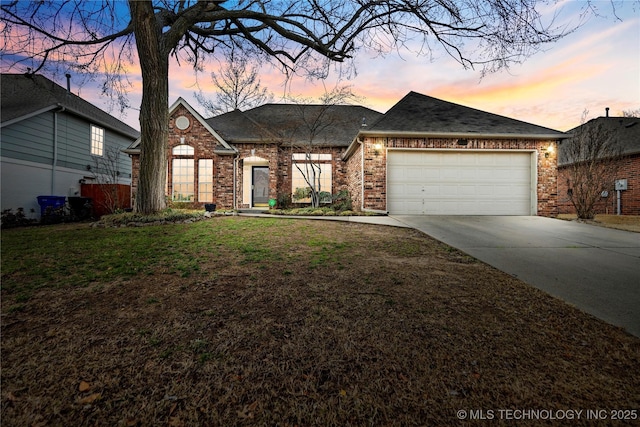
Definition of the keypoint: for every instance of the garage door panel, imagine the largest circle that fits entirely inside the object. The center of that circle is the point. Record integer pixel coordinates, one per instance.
(464, 183)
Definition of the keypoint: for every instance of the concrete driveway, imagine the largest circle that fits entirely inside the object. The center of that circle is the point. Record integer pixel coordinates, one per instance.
(593, 268)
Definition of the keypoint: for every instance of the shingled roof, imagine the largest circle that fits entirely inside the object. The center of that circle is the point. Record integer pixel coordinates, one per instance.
(625, 131)
(418, 114)
(334, 125)
(235, 126)
(25, 96)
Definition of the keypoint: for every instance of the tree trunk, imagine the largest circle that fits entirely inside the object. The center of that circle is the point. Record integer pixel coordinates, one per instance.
(154, 109)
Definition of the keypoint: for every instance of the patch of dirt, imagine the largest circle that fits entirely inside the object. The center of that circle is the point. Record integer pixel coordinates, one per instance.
(369, 325)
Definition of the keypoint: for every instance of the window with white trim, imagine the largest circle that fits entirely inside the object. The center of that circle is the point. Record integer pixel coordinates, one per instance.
(205, 180)
(310, 168)
(183, 180)
(97, 141)
(183, 174)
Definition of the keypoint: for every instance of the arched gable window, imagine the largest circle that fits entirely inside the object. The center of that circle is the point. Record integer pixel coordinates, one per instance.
(183, 150)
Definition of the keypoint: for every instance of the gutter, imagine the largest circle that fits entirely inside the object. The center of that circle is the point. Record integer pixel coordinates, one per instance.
(559, 136)
(73, 111)
(468, 135)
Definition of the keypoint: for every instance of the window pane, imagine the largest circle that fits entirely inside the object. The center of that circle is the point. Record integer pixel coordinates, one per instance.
(205, 180)
(97, 141)
(319, 175)
(183, 180)
(314, 157)
(183, 150)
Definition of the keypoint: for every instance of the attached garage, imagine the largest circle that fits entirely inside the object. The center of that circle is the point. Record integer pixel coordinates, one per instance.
(463, 182)
(426, 156)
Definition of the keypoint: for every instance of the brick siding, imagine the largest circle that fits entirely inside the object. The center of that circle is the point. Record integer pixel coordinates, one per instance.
(373, 193)
(629, 199)
(279, 158)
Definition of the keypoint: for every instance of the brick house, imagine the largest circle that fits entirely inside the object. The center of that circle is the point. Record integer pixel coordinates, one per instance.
(626, 131)
(427, 156)
(424, 156)
(242, 159)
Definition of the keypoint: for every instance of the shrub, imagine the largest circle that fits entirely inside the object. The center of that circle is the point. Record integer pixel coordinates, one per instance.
(18, 219)
(341, 201)
(168, 215)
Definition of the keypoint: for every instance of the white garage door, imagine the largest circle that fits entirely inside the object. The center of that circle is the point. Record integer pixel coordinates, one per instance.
(459, 183)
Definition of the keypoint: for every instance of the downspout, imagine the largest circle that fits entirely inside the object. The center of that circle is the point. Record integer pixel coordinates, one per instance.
(235, 181)
(362, 172)
(55, 147)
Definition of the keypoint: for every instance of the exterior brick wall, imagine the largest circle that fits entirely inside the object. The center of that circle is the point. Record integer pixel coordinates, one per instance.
(629, 199)
(268, 152)
(285, 165)
(354, 178)
(279, 158)
(223, 182)
(374, 168)
(135, 174)
(197, 136)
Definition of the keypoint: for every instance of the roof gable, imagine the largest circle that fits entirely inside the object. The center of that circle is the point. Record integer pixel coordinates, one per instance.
(421, 114)
(180, 102)
(24, 96)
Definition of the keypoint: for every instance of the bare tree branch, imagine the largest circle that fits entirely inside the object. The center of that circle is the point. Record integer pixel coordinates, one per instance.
(296, 35)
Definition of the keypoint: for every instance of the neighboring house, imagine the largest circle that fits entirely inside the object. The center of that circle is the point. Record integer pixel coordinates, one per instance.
(424, 156)
(52, 142)
(626, 130)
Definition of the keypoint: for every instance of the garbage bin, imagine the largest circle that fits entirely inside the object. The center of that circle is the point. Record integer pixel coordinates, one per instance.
(81, 207)
(50, 205)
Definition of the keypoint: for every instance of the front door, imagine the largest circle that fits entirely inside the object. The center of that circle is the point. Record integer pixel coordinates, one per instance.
(260, 186)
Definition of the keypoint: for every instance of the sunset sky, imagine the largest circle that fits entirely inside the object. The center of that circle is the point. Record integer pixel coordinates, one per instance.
(595, 67)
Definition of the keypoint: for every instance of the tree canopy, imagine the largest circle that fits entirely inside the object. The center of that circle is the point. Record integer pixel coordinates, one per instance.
(108, 37)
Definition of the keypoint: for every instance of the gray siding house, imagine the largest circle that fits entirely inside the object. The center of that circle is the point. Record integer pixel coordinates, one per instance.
(52, 142)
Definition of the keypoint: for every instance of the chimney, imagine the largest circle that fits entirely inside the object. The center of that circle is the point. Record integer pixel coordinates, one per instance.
(607, 110)
(68, 76)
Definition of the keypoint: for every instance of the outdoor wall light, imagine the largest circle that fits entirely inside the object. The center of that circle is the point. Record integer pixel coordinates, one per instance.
(376, 148)
(548, 151)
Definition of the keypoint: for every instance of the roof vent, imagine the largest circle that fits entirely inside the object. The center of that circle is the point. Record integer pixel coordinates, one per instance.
(364, 122)
(607, 111)
(68, 76)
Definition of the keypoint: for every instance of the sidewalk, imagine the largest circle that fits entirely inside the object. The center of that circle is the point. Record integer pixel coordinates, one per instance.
(373, 219)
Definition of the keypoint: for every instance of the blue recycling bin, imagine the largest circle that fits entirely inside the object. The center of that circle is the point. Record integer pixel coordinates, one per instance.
(50, 203)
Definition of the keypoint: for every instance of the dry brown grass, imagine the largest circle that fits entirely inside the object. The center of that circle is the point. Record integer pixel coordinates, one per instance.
(620, 222)
(337, 324)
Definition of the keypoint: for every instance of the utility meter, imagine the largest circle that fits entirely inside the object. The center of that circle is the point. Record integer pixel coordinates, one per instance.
(621, 184)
